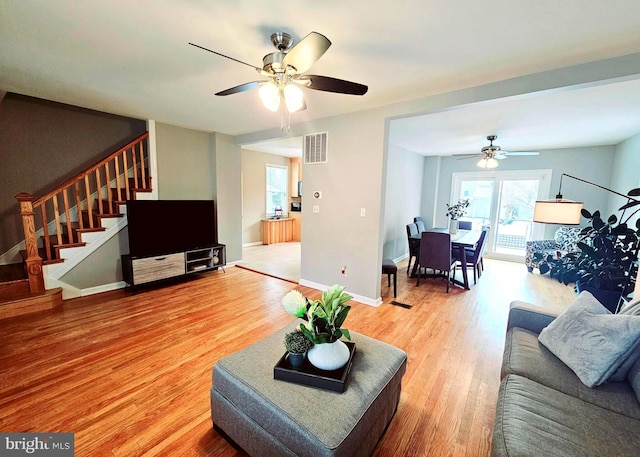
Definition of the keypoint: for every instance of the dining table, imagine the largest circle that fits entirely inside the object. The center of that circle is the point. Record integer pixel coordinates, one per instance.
(461, 240)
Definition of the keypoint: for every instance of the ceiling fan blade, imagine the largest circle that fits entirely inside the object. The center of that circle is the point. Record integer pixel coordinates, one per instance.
(521, 153)
(307, 52)
(258, 69)
(329, 84)
(499, 156)
(240, 88)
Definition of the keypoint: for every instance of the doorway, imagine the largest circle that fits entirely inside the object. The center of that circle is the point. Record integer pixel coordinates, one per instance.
(504, 201)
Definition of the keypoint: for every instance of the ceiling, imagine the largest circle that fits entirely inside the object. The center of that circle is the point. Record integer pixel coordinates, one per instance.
(133, 59)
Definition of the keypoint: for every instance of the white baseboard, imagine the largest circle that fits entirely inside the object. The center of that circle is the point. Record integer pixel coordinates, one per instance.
(255, 243)
(103, 288)
(359, 298)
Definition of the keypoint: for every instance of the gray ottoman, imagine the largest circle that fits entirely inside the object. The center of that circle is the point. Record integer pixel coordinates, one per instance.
(268, 417)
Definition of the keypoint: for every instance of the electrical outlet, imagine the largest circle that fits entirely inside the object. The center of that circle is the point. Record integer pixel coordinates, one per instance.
(344, 271)
(316, 209)
(363, 212)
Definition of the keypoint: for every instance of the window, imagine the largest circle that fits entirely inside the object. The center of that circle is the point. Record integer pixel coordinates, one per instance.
(276, 189)
(504, 200)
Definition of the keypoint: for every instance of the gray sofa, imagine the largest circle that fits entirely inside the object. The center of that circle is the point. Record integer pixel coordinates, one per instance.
(544, 409)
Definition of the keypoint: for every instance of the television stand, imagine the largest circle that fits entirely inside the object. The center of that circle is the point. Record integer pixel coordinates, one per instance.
(141, 270)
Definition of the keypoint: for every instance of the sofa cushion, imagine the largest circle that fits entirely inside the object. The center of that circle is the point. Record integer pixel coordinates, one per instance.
(634, 378)
(525, 356)
(590, 340)
(532, 419)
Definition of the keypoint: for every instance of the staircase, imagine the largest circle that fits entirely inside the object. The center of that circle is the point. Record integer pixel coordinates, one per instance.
(65, 225)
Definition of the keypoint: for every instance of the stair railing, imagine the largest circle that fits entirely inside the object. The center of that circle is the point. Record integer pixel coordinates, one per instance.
(82, 198)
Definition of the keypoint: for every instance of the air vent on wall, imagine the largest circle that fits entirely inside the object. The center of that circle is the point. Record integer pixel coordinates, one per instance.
(315, 148)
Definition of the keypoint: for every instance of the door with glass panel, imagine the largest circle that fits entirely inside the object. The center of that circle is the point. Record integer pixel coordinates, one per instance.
(504, 201)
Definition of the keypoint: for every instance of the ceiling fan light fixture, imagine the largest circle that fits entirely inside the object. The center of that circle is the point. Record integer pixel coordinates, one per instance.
(270, 96)
(488, 162)
(293, 97)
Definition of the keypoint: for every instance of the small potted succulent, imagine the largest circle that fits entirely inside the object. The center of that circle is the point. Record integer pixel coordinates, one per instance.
(297, 344)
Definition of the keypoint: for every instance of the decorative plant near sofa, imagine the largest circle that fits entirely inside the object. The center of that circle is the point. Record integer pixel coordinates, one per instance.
(606, 253)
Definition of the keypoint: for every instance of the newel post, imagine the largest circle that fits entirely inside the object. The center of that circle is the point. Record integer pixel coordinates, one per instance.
(34, 261)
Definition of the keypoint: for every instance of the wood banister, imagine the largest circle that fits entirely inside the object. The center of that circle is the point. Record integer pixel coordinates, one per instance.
(81, 192)
(89, 170)
(33, 261)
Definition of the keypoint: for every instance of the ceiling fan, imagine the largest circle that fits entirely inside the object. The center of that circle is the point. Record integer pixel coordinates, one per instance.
(284, 70)
(492, 153)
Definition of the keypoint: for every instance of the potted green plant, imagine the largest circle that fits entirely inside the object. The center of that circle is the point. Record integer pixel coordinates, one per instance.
(323, 326)
(607, 251)
(296, 344)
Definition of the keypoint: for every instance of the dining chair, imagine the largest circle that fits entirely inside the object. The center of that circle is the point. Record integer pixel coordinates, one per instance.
(485, 228)
(465, 225)
(435, 253)
(474, 256)
(420, 223)
(414, 244)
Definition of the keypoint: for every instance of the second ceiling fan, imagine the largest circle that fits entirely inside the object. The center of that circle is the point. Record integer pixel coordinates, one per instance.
(284, 70)
(491, 153)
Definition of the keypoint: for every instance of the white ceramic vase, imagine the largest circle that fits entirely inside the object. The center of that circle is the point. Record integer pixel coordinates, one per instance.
(329, 356)
(453, 226)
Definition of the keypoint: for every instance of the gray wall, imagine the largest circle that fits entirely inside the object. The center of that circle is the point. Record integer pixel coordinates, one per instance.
(185, 164)
(228, 166)
(403, 199)
(102, 267)
(44, 143)
(254, 191)
(626, 172)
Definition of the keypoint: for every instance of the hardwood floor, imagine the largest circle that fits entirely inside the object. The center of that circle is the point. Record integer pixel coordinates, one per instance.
(130, 374)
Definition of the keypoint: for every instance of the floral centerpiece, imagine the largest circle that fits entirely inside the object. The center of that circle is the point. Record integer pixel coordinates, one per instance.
(324, 317)
(458, 209)
(323, 326)
(455, 212)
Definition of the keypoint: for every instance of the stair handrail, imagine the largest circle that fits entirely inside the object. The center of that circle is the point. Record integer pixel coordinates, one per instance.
(88, 171)
(83, 186)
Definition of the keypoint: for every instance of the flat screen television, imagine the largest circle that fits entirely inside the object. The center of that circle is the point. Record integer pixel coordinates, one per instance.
(159, 227)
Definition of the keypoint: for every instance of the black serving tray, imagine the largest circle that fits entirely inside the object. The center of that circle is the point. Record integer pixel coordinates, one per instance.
(308, 375)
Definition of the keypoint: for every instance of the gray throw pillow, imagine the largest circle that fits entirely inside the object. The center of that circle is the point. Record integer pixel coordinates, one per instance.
(590, 340)
(631, 309)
